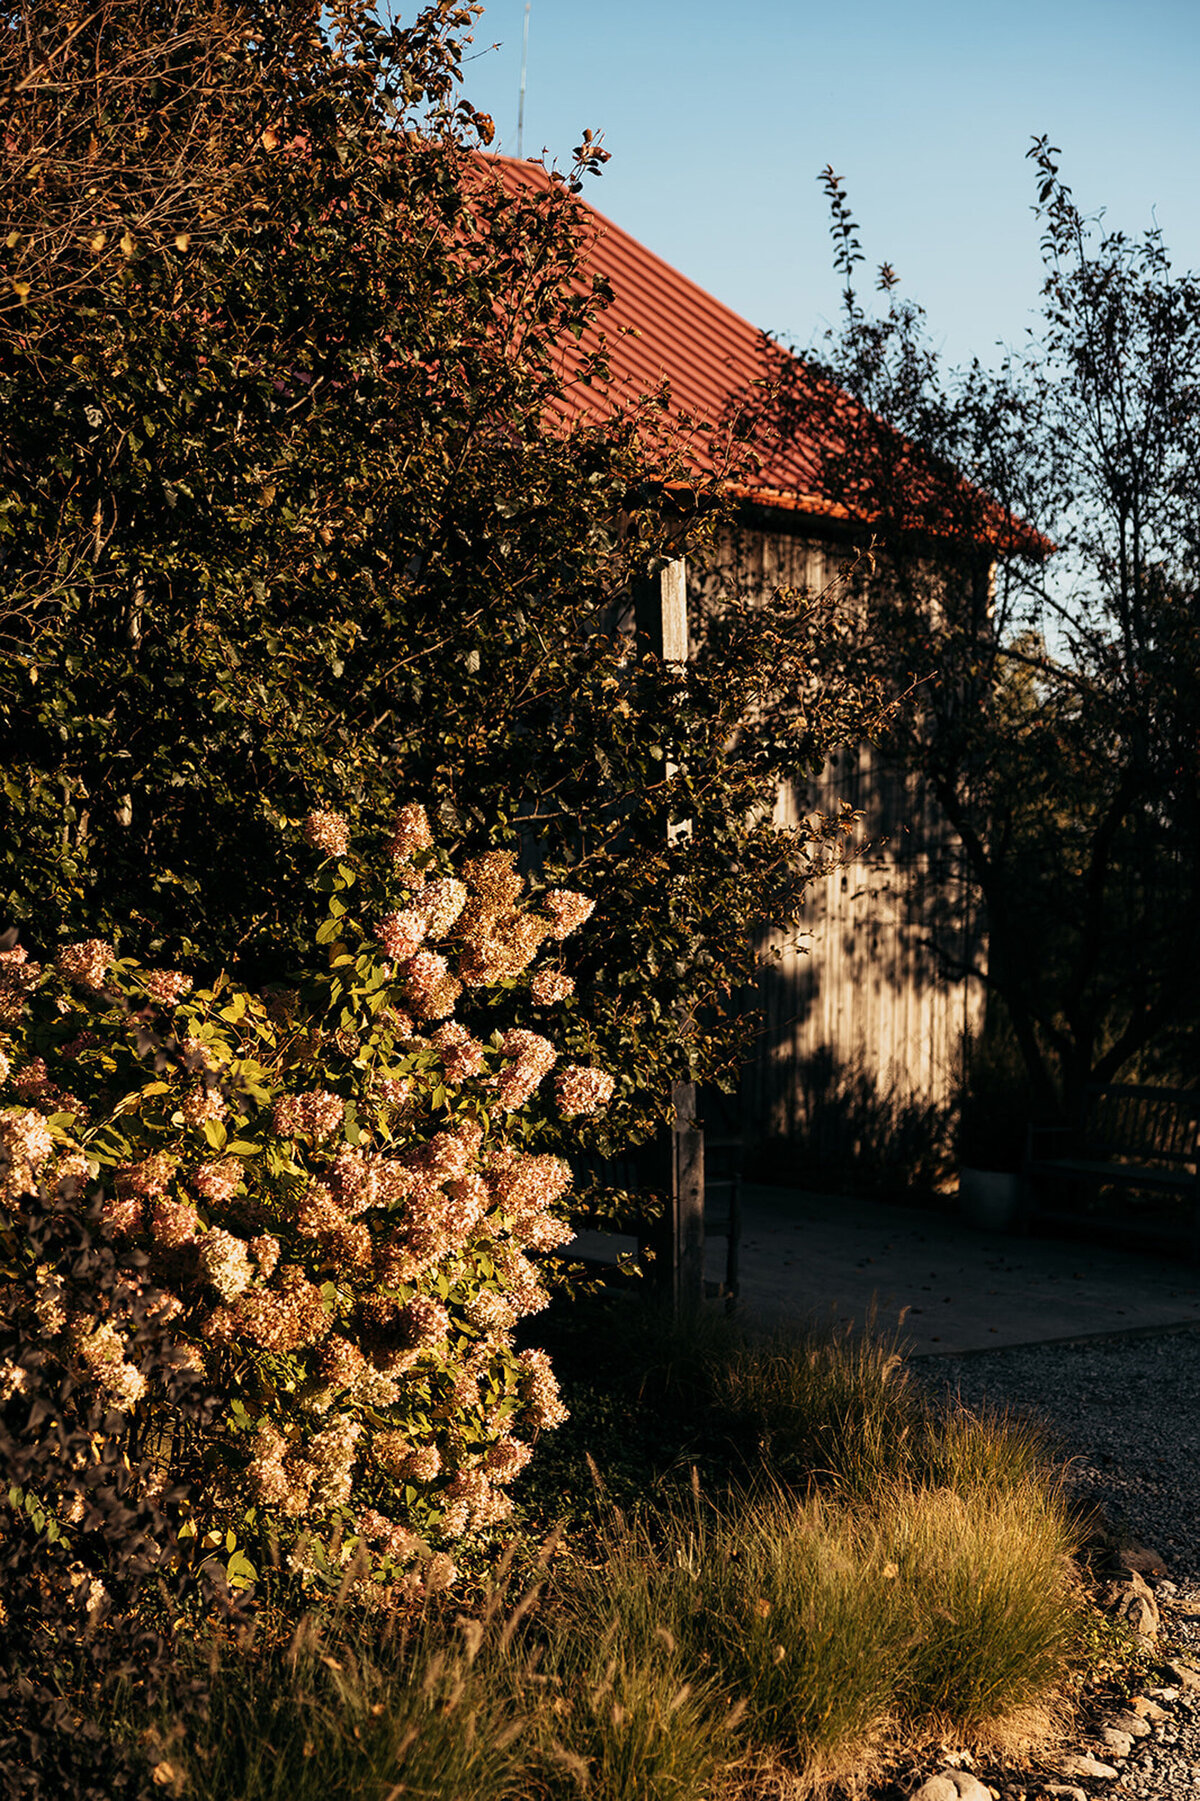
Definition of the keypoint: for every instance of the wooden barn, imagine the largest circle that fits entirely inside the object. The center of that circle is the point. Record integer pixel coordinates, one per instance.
(863, 1034)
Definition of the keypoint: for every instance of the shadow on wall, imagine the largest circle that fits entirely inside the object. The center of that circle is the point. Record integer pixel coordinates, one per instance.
(853, 1136)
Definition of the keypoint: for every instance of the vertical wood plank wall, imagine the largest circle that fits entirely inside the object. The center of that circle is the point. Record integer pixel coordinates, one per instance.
(861, 1027)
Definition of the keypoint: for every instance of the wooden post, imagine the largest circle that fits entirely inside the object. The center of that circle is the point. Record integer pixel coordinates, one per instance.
(687, 1200)
(662, 627)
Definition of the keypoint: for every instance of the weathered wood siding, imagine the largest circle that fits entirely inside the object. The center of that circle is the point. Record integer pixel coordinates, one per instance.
(863, 1031)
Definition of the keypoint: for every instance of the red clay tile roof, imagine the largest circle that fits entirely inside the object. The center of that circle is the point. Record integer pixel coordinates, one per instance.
(661, 326)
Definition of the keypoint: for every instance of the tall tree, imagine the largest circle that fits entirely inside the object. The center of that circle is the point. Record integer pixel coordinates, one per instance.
(1038, 528)
(298, 512)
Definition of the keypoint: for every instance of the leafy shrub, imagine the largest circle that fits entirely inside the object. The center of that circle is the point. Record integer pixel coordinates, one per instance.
(331, 1184)
(93, 1575)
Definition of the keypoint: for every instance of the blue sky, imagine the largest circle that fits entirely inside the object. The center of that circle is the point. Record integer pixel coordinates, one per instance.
(719, 119)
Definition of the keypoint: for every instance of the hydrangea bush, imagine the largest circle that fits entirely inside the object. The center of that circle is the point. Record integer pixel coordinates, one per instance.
(334, 1188)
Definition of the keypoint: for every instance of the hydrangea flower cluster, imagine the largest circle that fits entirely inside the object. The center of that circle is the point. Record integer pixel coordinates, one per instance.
(329, 1186)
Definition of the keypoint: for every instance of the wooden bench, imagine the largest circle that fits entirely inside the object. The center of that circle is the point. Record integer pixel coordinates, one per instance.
(1142, 1141)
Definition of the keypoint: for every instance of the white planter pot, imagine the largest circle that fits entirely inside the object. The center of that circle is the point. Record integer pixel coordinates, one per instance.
(989, 1198)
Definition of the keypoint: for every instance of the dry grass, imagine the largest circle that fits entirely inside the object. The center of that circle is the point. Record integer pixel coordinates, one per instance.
(889, 1574)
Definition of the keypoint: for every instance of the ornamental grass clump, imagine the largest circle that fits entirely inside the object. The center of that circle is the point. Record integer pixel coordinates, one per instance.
(994, 1602)
(337, 1190)
(833, 1407)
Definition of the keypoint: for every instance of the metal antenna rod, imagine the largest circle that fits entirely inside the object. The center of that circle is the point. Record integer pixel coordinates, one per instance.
(524, 67)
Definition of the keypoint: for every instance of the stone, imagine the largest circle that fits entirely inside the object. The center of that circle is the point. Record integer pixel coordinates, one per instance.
(1133, 1601)
(1185, 1674)
(1061, 1791)
(1118, 1742)
(936, 1788)
(1140, 1560)
(1133, 1721)
(952, 1785)
(1146, 1709)
(1077, 1764)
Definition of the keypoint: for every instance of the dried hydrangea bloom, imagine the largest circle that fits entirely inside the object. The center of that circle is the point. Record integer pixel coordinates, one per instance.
(164, 1306)
(392, 1181)
(166, 986)
(102, 1354)
(422, 1464)
(441, 904)
(31, 1080)
(25, 1145)
(173, 1223)
(532, 1058)
(429, 988)
(330, 1456)
(506, 1459)
(123, 1219)
(392, 1091)
(491, 1312)
(49, 1302)
(265, 1251)
(462, 1055)
(567, 910)
(493, 879)
(465, 1204)
(339, 1361)
(401, 934)
(524, 1184)
(551, 985)
(226, 1263)
(424, 1322)
(374, 1388)
(73, 1171)
(203, 1103)
(541, 1389)
(522, 1283)
(404, 1256)
(266, 1472)
(452, 1153)
(344, 1240)
(546, 1233)
(439, 1573)
(582, 1090)
(219, 1181)
(498, 945)
(316, 1114)
(13, 1378)
(527, 1188)
(85, 963)
(485, 1504)
(328, 832)
(410, 833)
(150, 1178)
(393, 1540)
(18, 979)
(285, 1317)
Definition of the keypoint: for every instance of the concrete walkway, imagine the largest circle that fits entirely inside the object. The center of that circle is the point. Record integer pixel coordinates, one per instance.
(829, 1258)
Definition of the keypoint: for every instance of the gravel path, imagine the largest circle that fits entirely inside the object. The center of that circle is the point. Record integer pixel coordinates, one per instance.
(1128, 1412)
